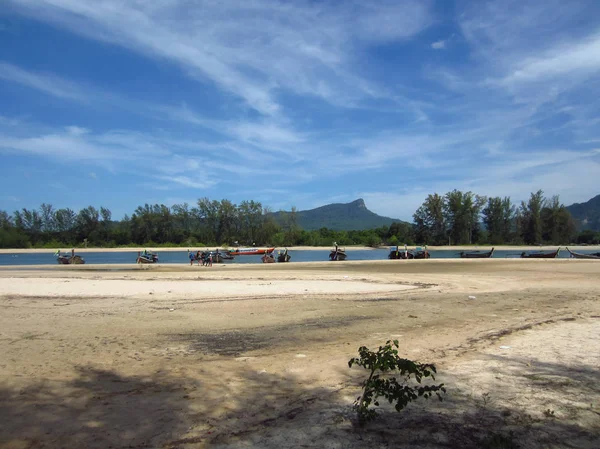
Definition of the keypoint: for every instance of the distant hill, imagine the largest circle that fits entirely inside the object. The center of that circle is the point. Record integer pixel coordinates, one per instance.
(340, 217)
(587, 214)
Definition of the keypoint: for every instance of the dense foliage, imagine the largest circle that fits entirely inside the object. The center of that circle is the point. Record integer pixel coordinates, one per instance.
(454, 218)
(209, 222)
(460, 218)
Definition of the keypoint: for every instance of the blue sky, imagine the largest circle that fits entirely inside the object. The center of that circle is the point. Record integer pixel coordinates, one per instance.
(296, 103)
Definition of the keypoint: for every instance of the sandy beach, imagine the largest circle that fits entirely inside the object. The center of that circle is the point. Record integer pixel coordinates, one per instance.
(256, 355)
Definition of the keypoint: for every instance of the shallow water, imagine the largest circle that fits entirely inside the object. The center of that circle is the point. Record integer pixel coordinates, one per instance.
(181, 257)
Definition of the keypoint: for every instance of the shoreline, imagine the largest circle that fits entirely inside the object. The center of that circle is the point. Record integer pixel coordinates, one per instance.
(305, 248)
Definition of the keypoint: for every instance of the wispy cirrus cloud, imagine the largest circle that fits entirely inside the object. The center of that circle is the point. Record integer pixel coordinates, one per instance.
(177, 161)
(252, 49)
(47, 83)
(575, 58)
(252, 139)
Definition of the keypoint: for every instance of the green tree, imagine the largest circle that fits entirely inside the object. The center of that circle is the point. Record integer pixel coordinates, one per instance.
(87, 225)
(531, 221)
(430, 225)
(508, 217)
(47, 215)
(404, 233)
(208, 213)
(290, 226)
(556, 222)
(493, 215)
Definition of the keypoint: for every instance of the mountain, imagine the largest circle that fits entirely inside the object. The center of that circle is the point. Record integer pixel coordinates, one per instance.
(587, 214)
(339, 217)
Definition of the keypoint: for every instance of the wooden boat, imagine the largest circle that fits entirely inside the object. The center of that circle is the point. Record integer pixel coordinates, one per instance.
(283, 256)
(540, 255)
(147, 257)
(477, 254)
(268, 258)
(218, 256)
(250, 251)
(398, 253)
(421, 254)
(412, 254)
(225, 255)
(337, 254)
(73, 259)
(593, 256)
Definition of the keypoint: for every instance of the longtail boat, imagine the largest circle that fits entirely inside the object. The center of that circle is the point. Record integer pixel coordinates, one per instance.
(476, 254)
(250, 251)
(283, 256)
(540, 255)
(147, 257)
(421, 254)
(397, 255)
(268, 258)
(73, 259)
(404, 254)
(337, 254)
(574, 255)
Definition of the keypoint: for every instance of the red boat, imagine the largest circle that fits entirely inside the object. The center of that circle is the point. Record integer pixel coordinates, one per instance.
(250, 251)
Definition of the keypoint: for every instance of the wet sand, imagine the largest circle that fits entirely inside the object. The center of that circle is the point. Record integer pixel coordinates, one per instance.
(256, 356)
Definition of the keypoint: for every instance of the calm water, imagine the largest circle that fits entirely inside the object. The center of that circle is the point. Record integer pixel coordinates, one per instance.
(181, 257)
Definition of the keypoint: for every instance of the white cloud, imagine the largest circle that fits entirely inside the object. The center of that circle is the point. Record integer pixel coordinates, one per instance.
(439, 45)
(202, 181)
(581, 58)
(49, 84)
(180, 162)
(251, 49)
(93, 175)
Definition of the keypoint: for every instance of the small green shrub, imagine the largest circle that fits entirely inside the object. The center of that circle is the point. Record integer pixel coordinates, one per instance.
(396, 391)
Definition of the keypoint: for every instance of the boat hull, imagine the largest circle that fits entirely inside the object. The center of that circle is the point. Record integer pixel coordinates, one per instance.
(337, 255)
(551, 255)
(399, 255)
(421, 255)
(584, 256)
(73, 260)
(268, 258)
(148, 258)
(283, 257)
(403, 255)
(251, 251)
(487, 255)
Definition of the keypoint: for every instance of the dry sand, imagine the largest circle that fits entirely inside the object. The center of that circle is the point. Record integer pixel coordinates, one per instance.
(256, 356)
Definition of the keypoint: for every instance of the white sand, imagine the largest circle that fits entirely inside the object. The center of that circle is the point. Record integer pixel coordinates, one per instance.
(68, 287)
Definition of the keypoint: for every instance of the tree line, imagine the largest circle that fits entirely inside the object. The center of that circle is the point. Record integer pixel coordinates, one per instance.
(454, 218)
(459, 218)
